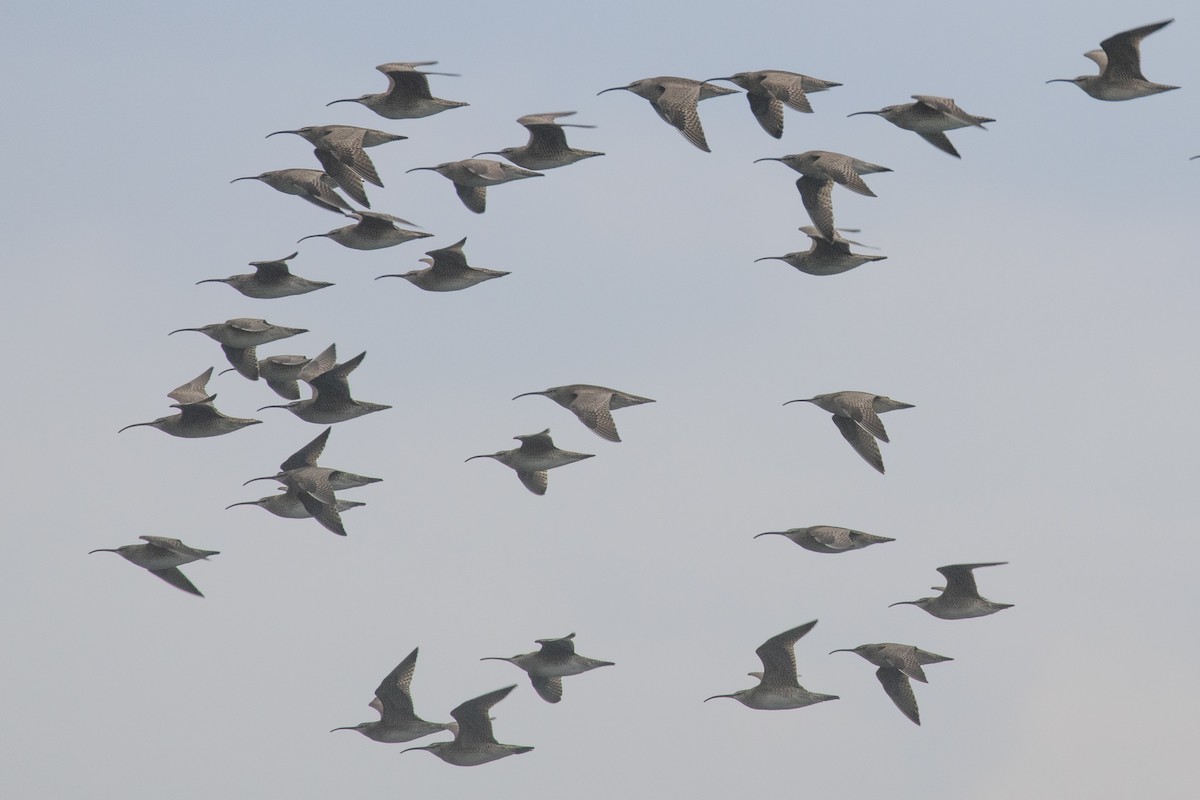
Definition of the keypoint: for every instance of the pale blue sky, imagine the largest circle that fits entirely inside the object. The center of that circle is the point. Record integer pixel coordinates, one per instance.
(1035, 306)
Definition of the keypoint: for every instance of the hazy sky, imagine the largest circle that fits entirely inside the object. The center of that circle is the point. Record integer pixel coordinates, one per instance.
(1035, 307)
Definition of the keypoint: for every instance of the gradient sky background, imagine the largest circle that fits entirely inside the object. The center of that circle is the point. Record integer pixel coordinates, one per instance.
(1037, 306)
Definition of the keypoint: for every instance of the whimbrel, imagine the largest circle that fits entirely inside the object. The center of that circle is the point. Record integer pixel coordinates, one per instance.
(825, 256)
(769, 90)
(331, 401)
(592, 405)
(829, 538)
(856, 415)
(287, 504)
(238, 338)
(778, 687)
(472, 176)
(281, 374)
(547, 147)
(448, 271)
(1120, 63)
(407, 95)
(270, 279)
(339, 148)
(821, 169)
(474, 743)
(548, 666)
(533, 458)
(312, 184)
(162, 557)
(314, 486)
(930, 117)
(398, 722)
(373, 231)
(674, 100)
(198, 418)
(897, 663)
(960, 598)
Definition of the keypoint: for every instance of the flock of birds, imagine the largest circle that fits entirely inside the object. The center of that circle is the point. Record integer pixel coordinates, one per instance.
(310, 490)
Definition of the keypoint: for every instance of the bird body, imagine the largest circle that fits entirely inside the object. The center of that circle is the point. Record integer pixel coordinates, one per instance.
(448, 271)
(825, 256)
(592, 405)
(238, 338)
(407, 95)
(398, 722)
(856, 415)
(198, 418)
(547, 146)
(340, 149)
(829, 538)
(331, 401)
(373, 231)
(1120, 63)
(930, 117)
(162, 557)
(533, 458)
(311, 184)
(960, 599)
(778, 688)
(555, 660)
(897, 663)
(769, 90)
(287, 504)
(472, 176)
(674, 100)
(474, 742)
(821, 169)
(270, 279)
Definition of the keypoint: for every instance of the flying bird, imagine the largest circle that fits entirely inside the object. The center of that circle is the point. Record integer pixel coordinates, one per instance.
(448, 271)
(547, 146)
(548, 666)
(674, 100)
(856, 415)
(270, 279)
(407, 95)
(930, 117)
(398, 722)
(592, 405)
(960, 599)
(162, 558)
(533, 458)
(769, 90)
(474, 742)
(778, 687)
(1120, 63)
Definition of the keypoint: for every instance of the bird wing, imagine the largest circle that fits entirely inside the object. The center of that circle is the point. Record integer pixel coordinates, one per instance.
(448, 261)
(346, 144)
(173, 576)
(768, 111)
(272, 271)
(393, 692)
(474, 723)
(536, 443)
(324, 513)
(307, 456)
(243, 359)
(318, 364)
(941, 141)
(863, 442)
(960, 579)
(535, 482)
(947, 107)
(1124, 51)
(546, 137)
(592, 408)
(334, 383)
(374, 222)
(836, 539)
(788, 88)
(677, 107)
(778, 656)
(860, 408)
(559, 649)
(193, 390)
(473, 197)
(168, 546)
(346, 177)
(842, 170)
(199, 412)
(816, 193)
(897, 686)
(549, 689)
(405, 83)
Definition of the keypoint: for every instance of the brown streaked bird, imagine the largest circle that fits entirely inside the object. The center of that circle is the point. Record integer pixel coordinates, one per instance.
(829, 538)
(281, 373)
(533, 458)
(592, 405)
(778, 686)
(769, 90)
(331, 401)
(198, 418)
(474, 743)
(674, 100)
(821, 169)
(548, 666)
(339, 148)
(270, 280)
(162, 558)
(960, 599)
(930, 117)
(311, 184)
(373, 231)
(547, 147)
(407, 95)
(287, 504)
(472, 176)
(398, 721)
(856, 415)
(897, 663)
(824, 256)
(1120, 62)
(238, 337)
(448, 271)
